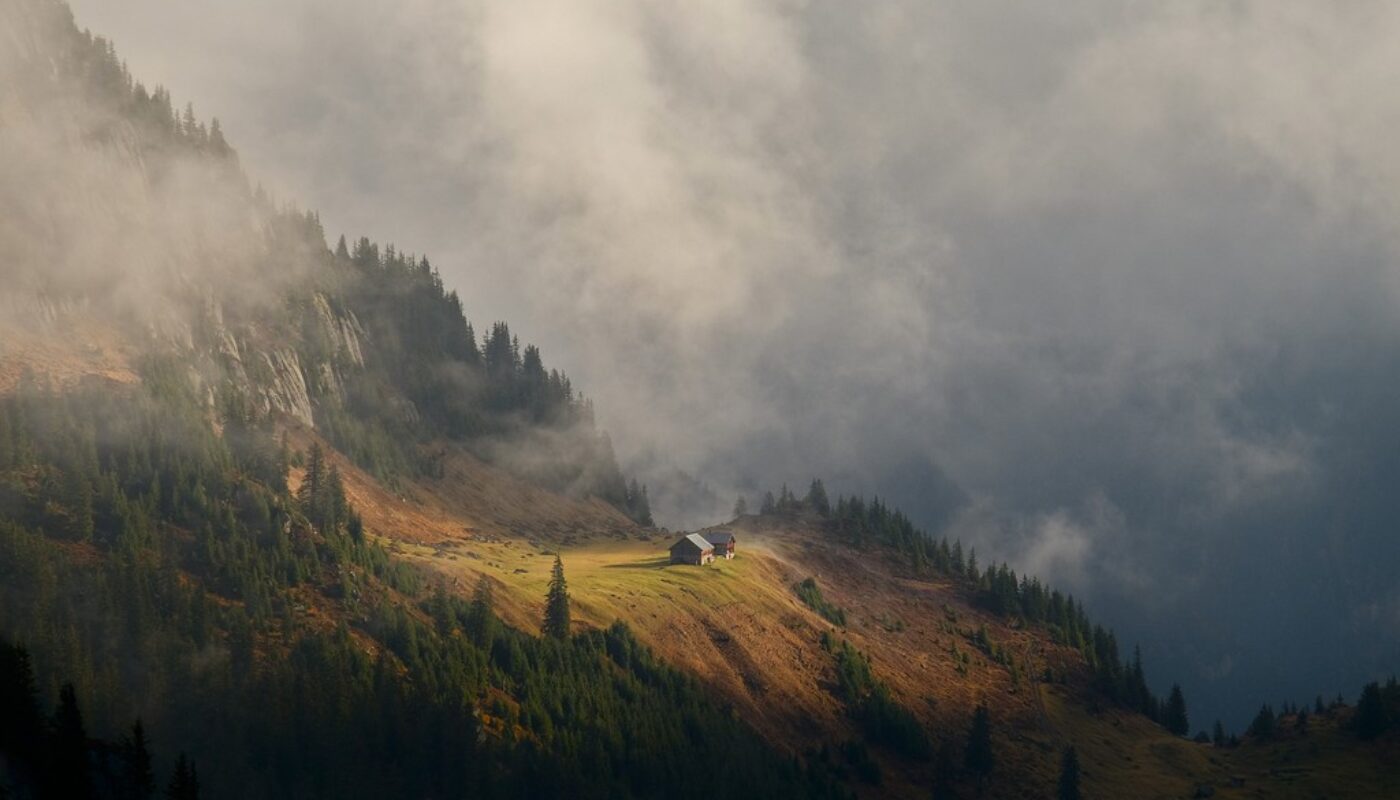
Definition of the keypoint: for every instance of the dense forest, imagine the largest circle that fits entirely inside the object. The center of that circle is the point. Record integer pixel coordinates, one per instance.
(166, 574)
(175, 615)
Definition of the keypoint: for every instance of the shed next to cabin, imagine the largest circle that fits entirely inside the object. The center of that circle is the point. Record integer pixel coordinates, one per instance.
(723, 542)
(692, 549)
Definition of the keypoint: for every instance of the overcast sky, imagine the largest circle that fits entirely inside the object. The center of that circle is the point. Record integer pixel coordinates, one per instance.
(1124, 273)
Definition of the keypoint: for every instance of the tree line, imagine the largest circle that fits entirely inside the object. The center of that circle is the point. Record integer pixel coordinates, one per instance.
(53, 755)
(866, 525)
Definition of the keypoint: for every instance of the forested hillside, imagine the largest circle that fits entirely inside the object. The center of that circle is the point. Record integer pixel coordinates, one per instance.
(160, 236)
(159, 572)
(277, 521)
(154, 556)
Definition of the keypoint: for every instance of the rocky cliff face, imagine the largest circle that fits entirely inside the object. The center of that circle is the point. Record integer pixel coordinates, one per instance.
(277, 378)
(343, 331)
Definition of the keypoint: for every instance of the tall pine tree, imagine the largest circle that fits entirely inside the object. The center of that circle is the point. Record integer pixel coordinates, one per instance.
(184, 784)
(978, 759)
(556, 605)
(481, 617)
(138, 778)
(1371, 719)
(1174, 717)
(71, 770)
(1069, 775)
(817, 499)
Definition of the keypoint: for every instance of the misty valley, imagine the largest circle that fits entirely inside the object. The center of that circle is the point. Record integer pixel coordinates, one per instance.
(847, 511)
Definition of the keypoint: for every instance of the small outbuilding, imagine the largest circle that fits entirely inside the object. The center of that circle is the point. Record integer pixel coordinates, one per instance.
(722, 541)
(692, 549)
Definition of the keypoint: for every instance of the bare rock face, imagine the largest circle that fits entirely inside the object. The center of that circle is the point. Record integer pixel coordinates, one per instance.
(278, 380)
(284, 389)
(342, 330)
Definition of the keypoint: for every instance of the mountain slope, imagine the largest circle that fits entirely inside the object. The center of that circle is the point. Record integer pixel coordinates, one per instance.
(277, 499)
(740, 627)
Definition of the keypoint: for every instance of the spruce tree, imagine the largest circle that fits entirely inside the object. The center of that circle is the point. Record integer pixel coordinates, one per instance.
(769, 506)
(741, 507)
(944, 772)
(1069, 775)
(139, 778)
(313, 483)
(1263, 725)
(1371, 719)
(643, 515)
(217, 143)
(184, 783)
(1218, 734)
(817, 499)
(70, 769)
(481, 618)
(21, 724)
(978, 759)
(1174, 717)
(556, 606)
(336, 505)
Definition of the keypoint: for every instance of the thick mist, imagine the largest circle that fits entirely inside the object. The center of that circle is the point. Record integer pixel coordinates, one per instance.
(97, 224)
(1114, 280)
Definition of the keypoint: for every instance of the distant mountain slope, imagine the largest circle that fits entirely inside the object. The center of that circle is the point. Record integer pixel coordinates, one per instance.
(742, 628)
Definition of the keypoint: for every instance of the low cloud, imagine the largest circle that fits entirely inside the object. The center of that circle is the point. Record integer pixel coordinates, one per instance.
(1138, 258)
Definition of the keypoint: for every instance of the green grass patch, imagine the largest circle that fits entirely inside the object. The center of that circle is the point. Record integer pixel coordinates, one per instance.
(811, 594)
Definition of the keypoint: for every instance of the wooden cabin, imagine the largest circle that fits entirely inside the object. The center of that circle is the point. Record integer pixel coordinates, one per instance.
(692, 549)
(722, 541)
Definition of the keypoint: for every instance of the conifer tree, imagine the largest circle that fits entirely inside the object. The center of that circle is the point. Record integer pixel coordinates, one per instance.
(71, 771)
(556, 607)
(217, 143)
(139, 778)
(21, 724)
(313, 483)
(1217, 736)
(817, 499)
(481, 617)
(1069, 776)
(184, 783)
(644, 508)
(978, 759)
(1174, 717)
(769, 505)
(638, 504)
(741, 507)
(1370, 720)
(944, 772)
(336, 504)
(1263, 725)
